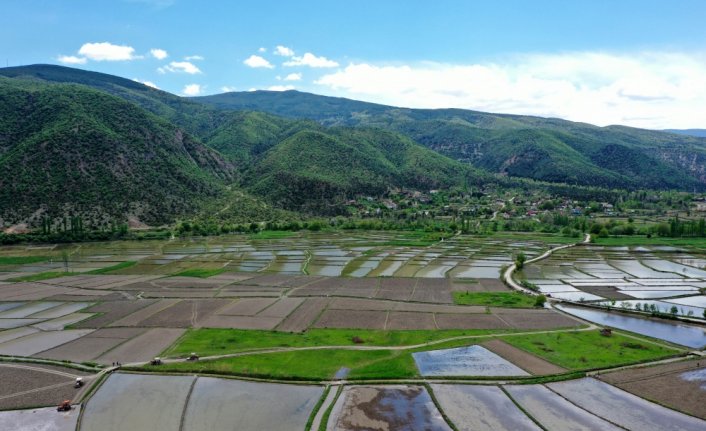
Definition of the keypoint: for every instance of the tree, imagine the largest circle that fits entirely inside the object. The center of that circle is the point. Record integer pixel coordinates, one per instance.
(540, 300)
(520, 260)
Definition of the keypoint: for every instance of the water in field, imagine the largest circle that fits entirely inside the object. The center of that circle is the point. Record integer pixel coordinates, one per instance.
(677, 333)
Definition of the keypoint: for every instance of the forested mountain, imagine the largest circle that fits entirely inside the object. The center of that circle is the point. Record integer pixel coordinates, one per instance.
(701, 133)
(77, 142)
(546, 149)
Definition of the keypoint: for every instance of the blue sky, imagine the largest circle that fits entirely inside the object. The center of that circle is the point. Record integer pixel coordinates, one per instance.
(639, 63)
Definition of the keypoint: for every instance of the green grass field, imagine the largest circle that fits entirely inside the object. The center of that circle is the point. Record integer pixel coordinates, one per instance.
(43, 276)
(208, 342)
(494, 299)
(583, 350)
(21, 260)
(113, 268)
(200, 272)
(306, 365)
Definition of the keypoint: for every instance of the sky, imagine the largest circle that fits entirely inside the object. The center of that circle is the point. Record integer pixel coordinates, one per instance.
(637, 63)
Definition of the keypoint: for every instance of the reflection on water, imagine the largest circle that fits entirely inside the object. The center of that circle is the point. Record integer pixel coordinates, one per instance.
(678, 333)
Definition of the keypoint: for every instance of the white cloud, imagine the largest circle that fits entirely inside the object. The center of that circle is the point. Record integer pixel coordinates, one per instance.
(71, 59)
(106, 51)
(280, 87)
(283, 51)
(257, 61)
(192, 90)
(180, 67)
(159, 54)
(311, 60)
(147, 83)
(262, 49)
(193, 58)
(227, 89)
(293, 77)
(647, 89)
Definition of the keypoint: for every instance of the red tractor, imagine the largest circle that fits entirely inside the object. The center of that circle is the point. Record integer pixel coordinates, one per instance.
(64, 406)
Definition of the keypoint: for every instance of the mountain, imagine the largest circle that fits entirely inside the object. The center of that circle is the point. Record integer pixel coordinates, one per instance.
(547, 149)
(75, 141)
(701, 133)
(67, 148)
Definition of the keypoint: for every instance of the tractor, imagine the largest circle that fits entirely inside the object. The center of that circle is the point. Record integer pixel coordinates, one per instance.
(65, 406)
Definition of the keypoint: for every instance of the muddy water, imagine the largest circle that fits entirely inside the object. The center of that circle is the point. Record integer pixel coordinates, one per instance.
(44, 419)
(678, 333)
(404, 408)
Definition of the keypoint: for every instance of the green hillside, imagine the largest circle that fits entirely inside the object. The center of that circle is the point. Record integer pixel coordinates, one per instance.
(546, 149)
(70, 149)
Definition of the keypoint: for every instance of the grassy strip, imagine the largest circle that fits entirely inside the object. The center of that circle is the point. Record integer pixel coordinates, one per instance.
(315, 411)
(43, 276)
(20, 260)
(207, 342)
(324, 420)
(585, 350)
(304, 365)
(113, 268)
(494, 299)
(200, 272)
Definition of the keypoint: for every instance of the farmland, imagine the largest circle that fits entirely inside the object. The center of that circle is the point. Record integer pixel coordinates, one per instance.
(356, 311)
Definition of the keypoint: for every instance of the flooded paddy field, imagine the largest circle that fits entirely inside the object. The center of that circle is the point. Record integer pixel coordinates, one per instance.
(628, 276)
(40, 419)
(465, 361)
(386, 407)
(623, 408)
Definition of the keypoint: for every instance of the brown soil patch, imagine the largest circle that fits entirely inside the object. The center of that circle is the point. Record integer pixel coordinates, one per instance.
(605, 292)
(300, 319)
(360, 319)
(143, 347)
(135, 318)
(112, 311)
(410, 320)
(247, 307)
(16, 380)
(281, 308)
(535, 319)
(663, 384)
(469, 321)
(528, 362)
(185, 314)
(240, 322)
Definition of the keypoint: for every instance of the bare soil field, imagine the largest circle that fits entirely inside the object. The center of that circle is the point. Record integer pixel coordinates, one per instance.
(410, 320)
(385, 408)
(281, 308)
(188, 282)
(664, 384)
(435, 290)
(469, 321)
(535, 319)
(143, 313)
(623, 408)
(481, 408)
(300, 319)
(29, 385)
(80, 350)
(185, 313)
(240, 322)
(228, 293)
(143, 347)
(363, 319)
(247, 307)
(112, 311)
(528, 362)
(190, 293)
